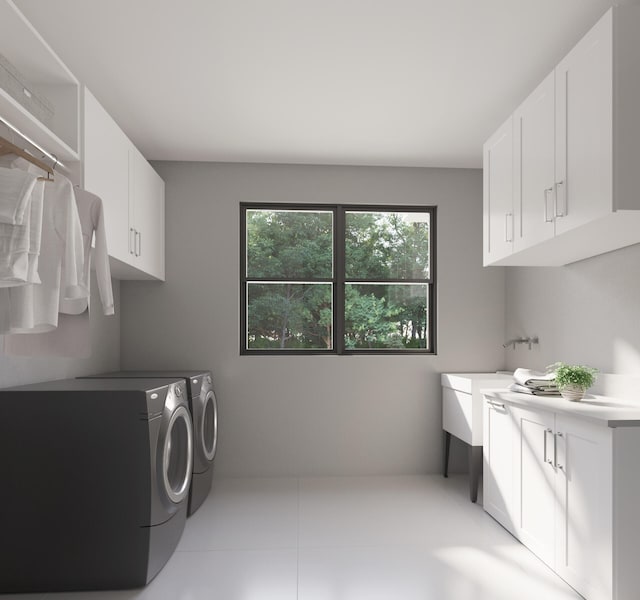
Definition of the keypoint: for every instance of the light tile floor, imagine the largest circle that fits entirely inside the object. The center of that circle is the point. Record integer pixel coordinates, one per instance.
(377, 538)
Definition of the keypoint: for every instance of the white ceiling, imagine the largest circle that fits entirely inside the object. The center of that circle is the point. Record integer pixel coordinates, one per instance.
(359, 82)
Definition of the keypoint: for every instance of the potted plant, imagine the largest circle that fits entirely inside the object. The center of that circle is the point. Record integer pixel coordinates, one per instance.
(573, 380)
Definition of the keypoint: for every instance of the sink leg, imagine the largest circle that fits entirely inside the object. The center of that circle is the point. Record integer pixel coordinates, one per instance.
(447, 446)
(475, 468)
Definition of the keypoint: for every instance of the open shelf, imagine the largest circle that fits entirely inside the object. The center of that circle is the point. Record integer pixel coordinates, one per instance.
(47, 77)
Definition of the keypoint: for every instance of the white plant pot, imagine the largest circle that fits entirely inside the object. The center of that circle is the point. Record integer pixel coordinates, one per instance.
(572, 392)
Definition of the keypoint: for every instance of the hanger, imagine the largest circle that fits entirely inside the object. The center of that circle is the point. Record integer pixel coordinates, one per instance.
(7, 147)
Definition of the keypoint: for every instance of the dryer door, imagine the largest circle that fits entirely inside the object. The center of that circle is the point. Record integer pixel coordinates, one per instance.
(209, 426)
(177, 455)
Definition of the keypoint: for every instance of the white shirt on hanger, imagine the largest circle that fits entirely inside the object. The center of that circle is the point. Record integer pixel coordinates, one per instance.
(34, 308)
(91, 217)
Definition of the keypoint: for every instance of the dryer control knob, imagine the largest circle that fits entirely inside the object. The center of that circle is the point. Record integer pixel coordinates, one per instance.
(194, 381)
(208, 378)
(178, 391)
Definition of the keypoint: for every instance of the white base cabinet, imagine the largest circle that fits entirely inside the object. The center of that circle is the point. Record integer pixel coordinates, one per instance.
(498, 464)
(132, 195)
(534, 499)
(569, 490)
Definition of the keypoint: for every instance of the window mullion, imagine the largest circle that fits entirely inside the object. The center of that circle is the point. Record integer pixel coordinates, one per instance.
(339, 274)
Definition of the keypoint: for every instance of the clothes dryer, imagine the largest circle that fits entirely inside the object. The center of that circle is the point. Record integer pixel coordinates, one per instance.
(204, 414)
(96, 475)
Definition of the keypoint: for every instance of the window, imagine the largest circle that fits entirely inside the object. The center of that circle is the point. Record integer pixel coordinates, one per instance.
(337, 279)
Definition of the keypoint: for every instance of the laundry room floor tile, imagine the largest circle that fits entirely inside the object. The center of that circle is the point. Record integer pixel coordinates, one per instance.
(400, 573)
(371, 511)
(245, 514)
(344, 538)
(218, 575)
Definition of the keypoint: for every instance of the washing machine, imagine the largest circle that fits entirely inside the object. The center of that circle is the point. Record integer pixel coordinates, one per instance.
(204, 413)
(95, 479)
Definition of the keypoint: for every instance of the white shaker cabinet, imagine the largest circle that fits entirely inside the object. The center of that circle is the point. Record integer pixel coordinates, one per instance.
(584, 491)
(534, 175)
(575, 139)
(146, 216)
(535, 480)
(498, 462)
(584, 129)
(569, 486)
(498, 221)
(132, 194)
(106, 173)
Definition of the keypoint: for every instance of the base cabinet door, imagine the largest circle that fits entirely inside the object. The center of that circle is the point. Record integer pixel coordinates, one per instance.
(584, 531)
(535, 504)
(498, 481)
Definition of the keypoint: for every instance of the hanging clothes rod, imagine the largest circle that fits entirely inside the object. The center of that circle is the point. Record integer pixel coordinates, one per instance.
(52, 157)
(7, 147)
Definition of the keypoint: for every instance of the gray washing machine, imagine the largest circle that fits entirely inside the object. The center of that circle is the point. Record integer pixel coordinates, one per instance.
(95, 478)
(204, 413)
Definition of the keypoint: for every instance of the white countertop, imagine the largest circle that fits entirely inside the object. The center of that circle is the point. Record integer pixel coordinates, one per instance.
(604, 410)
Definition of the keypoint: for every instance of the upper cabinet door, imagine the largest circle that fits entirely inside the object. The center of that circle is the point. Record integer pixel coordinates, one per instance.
(106, 173)
(148, 216)
(498, 194)
(534, 142)
(584, 129)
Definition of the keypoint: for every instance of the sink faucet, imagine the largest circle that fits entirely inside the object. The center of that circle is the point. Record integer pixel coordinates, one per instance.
(521, 340)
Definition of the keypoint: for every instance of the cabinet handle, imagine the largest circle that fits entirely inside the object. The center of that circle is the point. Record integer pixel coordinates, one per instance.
(138, 243)
(132, 246)
(565, 210)
(547, 460)
(546, 205)
(555, 450)
(508, 236)
(496, 404)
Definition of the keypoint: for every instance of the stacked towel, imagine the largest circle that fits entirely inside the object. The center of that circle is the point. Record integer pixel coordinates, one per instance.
(527, 381)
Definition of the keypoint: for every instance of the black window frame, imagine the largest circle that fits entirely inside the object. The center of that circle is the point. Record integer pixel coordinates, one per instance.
(338, 280)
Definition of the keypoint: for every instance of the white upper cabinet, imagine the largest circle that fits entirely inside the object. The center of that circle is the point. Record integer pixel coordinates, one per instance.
(132, 194)
(39, 96)
(534, 176)
(106, 173)
(584, 128)
(498, 194)
(146, 216)
(575, 178)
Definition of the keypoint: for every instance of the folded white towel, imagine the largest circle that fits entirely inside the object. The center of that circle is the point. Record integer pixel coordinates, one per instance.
(16, 187)
(531, 378)
(523, 389)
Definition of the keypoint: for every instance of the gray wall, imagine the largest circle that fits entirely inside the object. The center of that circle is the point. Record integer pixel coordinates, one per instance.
(586, 313)
(304, 415)
(105, 356)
